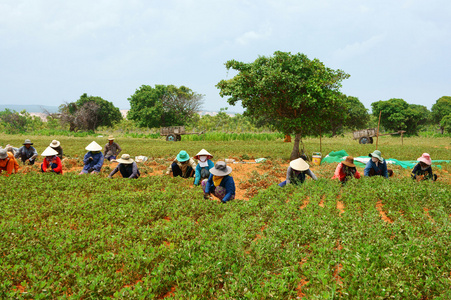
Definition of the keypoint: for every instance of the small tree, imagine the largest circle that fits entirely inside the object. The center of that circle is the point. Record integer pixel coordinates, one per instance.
(163, 105)
(88, 113)
(440, 109)
(290, 92)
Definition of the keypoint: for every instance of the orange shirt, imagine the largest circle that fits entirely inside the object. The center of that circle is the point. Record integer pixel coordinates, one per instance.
(9, 164)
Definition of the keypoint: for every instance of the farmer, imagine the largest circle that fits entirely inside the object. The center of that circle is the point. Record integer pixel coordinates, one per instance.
(112, 149)
(219, 184)
(11, 149)
(7, 162)
(127, 167)
(377, 166)
(346, 170)
(93, 159)
(203, 167)
(423, 169)
(182, 165)
(27, 153)
(296, 172)
(52, 162)
(56, 145)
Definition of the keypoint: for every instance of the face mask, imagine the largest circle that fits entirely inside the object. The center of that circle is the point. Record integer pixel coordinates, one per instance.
(203, 158)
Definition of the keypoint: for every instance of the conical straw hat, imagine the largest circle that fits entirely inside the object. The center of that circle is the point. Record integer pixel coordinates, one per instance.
(299, 164)
(94, 147)
(49, 151)
(203, 152)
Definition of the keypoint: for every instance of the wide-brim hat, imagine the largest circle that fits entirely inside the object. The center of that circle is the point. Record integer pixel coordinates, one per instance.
(349, 161)
(125, 159)
(203, 152)
(49, 151)
(55, 144)
(182, 156)
(27, 142)
(94, 147)
(221, 169)
(110, 138)
(426, 158)
(299, 164)
(377, 154)
(3, 154)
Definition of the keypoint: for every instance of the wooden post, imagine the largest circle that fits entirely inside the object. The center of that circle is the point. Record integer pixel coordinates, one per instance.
(320, 144)
(377, 133)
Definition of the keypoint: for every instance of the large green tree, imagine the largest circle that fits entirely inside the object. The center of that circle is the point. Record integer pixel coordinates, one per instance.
(163, 105)
(288, 91)
(397, 114)
(440, 109)
(88, 113)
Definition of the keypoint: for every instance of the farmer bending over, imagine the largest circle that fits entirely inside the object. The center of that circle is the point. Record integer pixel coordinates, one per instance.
(27, 153)
(93, 160)
(127, 167)
(52, 162)
(377, 166)
(296, 172)
(182, 165)
(203, 167)
(346, 170)
(423, 169)
(7, 162)
(220, 184)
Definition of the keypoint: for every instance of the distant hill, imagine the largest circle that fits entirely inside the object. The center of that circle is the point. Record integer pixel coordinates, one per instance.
(29, 108)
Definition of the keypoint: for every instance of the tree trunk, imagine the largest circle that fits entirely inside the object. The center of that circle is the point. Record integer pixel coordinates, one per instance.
(295, 153)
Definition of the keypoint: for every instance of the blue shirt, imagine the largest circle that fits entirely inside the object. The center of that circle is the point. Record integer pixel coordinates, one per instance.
(380, 170)
(96, 163)
(199, 168)
(226, 182)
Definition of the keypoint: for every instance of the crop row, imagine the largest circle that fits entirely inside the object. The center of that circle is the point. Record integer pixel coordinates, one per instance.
(90, 237)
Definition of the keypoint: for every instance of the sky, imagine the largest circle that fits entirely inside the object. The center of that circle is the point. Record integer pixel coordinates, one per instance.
(52, 51)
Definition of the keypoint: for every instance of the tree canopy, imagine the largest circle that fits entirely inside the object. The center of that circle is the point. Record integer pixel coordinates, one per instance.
(440, 110)
(163, 105)
(294, 94)
(397, 114)
(88, 113)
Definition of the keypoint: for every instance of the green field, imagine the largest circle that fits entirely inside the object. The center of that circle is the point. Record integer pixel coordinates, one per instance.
(90, 237)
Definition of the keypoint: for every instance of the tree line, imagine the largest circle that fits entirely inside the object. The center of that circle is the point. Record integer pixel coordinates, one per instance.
(289, 93)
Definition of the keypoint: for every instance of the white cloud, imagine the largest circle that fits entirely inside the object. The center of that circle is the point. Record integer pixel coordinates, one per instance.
(251, 36)
(359, 48)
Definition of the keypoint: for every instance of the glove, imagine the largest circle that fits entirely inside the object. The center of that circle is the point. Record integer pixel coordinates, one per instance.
(206, 196)
(90, 158)
(109, 176)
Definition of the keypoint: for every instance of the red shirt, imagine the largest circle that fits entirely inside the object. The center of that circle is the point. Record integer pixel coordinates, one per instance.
(52, 160)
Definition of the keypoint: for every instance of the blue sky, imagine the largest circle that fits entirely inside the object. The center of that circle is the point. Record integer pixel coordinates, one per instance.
(53, 51)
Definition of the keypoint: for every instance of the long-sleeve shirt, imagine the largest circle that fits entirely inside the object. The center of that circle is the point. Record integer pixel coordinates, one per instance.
(293, 175)
(340, 174)
(95, 164)
(48, 161)
(380, 169)
(26, 153)
(9, 165)
(127, 170)
(418, 171)
(112, 150)
(191, 162)
(197, 176)
(226, 182)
